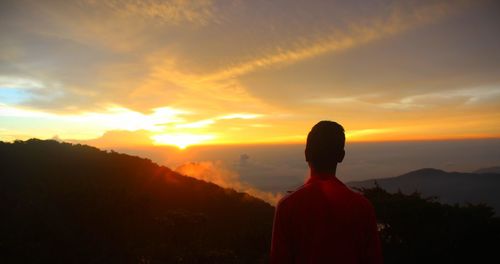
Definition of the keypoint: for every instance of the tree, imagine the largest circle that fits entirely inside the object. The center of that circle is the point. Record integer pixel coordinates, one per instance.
(414, 229)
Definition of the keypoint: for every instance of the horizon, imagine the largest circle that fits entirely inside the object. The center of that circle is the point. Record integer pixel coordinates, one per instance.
(270, 171)
(267, 163)
(187, 73)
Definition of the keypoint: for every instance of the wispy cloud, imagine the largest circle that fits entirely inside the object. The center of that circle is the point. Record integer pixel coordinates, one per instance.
(240, 116)
(19, 83)
(356, 34)
(211, 121)
(466, 96)
(223, 87)
(91, 124)
(198, 12)
(359, 99)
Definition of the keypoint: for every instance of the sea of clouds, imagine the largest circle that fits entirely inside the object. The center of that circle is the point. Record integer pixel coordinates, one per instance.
(270, 171)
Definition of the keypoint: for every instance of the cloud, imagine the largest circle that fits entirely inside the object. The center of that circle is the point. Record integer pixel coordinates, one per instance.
(117, 138)
(240, 116)
(216, 172)
(222, 85)
(244, 159)
(460, 97)
(199, 12)
(19, 83)
(424, 101)
(209, 122)
(361, 99)
(356, 34)
(87, 125)
(134, 63)
(164, 125)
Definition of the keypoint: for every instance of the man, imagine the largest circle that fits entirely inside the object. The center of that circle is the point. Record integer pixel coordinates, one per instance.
(324, 221)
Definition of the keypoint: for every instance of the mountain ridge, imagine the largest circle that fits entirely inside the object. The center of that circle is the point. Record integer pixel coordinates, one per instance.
(448, 187)
(79, 204)
(494, 169)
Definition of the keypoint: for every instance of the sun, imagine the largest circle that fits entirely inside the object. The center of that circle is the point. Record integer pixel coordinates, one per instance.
(182, 141)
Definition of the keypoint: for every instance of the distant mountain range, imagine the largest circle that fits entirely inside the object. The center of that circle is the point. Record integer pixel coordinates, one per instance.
(495, 169)
(480, 186)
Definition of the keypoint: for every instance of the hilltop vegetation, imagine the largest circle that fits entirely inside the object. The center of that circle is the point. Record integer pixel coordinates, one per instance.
(64, 203)
(482, 186)
(414, 229)
(77, 204)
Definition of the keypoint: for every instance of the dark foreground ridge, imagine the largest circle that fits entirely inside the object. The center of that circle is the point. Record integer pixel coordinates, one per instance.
(64, 203)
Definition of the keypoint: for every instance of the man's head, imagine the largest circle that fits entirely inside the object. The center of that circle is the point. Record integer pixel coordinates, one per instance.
(325, 146)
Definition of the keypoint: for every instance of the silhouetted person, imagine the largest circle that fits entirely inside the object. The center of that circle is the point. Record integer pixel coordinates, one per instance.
(324, 221)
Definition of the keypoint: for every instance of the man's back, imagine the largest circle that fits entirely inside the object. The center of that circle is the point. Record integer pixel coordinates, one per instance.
(325, 222)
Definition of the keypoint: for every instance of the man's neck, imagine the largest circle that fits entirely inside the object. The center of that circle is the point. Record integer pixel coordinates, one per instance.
(323, 174)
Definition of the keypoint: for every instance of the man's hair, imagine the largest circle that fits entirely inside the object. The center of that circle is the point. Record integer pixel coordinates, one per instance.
(325, 144)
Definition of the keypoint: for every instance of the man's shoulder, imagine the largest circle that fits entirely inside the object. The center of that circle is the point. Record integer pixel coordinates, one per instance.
(304, 190)
(292, 195)
(365, 204)
(360, 197)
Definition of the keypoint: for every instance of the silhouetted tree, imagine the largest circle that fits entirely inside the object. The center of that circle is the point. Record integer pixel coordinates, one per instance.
(421, 230)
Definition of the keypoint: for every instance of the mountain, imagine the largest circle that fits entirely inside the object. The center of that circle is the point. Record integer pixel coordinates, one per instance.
(448, 187)
(495, 169)
(77, 204)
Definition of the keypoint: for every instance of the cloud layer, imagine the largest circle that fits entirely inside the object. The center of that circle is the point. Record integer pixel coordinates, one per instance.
(216, 172)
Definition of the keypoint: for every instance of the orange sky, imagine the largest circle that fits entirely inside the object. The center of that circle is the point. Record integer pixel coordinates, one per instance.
(241, 72)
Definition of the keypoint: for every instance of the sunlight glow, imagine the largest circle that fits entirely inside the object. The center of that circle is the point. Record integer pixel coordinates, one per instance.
(197, 124)
(240, 116)
(122, 118)
(361, 133)
(180, 140)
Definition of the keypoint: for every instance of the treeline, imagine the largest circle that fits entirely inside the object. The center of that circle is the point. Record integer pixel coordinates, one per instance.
(64, 203)
(414, 229)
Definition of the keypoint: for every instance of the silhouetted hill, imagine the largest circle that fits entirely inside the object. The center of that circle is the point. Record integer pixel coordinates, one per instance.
(448, 187)
(495, 169)
(64, 203)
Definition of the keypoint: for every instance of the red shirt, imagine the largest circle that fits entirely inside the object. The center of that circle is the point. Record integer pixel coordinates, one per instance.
(325, 222)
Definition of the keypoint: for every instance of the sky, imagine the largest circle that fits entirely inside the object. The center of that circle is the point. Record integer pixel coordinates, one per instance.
(143, 73)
